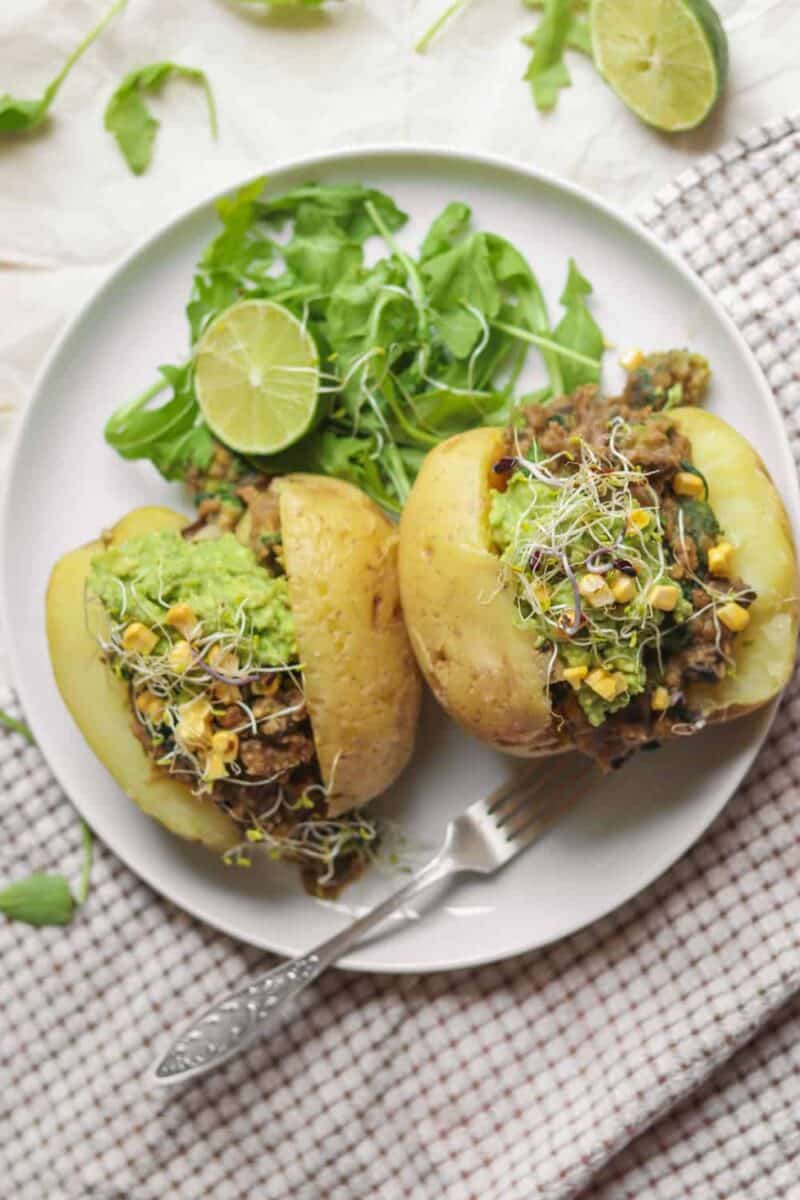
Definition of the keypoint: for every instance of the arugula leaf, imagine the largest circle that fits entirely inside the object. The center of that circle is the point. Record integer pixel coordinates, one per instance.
(547, 73)
(172, 436)
(447, 229)
(38, 900)
(16, 726)
(413, 347)
(21, 116)
(439, 24)
(45, 899)
(128, 118)
(577, 330)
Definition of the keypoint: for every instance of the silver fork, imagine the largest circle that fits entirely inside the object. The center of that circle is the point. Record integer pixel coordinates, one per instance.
(485, 837)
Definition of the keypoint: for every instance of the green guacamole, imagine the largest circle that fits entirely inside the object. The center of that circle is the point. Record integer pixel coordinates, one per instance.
(219, 579)
(527, 513)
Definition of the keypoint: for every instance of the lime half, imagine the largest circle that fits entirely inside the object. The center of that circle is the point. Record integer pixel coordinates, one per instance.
(257, 377)
(667, 59)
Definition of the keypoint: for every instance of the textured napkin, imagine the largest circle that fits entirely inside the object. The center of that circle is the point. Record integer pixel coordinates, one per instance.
(653, 1054)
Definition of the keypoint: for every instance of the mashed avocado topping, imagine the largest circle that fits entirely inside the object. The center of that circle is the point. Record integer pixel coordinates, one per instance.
(220, 581)
(585, 547)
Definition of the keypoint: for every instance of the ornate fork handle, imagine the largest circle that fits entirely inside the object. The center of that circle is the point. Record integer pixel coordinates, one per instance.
(240, 1018)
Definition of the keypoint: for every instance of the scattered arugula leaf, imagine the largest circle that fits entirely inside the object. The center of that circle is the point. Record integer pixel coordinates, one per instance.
(130, 121)
(21, 116)
(87, 843)
(16, 726)
(38, 900)
(564, 24)
(547, 72)
(412, 348)
(43, 899)
(439, 24)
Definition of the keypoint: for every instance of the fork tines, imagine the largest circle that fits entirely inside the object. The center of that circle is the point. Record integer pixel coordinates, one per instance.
(536, 798)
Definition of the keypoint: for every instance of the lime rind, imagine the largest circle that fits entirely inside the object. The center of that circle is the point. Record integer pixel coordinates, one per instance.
(667, 60)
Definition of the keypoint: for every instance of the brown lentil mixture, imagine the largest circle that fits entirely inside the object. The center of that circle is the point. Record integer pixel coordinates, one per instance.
(704, 649)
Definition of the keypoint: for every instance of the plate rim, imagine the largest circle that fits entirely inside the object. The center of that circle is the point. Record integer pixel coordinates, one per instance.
(321, 160)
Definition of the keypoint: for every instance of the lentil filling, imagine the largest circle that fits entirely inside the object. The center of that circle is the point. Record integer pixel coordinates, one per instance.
(620, 568)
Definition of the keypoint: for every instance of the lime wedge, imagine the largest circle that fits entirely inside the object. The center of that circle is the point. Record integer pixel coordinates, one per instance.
(256, 377)
(666, 59)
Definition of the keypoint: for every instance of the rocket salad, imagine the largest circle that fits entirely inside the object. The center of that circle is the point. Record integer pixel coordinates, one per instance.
(413, 346)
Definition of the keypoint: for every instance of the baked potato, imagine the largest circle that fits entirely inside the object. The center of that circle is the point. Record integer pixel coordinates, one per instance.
(496, 636)
(334, 725)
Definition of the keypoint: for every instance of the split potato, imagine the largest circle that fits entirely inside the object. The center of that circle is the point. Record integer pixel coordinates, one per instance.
(361, 681)
(459, 610)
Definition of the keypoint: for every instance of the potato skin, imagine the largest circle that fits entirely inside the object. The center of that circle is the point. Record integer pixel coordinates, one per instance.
(99, 701)
(752, 516)
(482, 669)
(486, 673)
(362, 686)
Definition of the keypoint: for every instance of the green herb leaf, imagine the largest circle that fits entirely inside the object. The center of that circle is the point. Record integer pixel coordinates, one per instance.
(413, 347)
(578, 331)
(38, 900)
(128, 118)
(438, 25)
(546, 72)
(87, 843)
(21, 116)
(16, 726)
(173, 436)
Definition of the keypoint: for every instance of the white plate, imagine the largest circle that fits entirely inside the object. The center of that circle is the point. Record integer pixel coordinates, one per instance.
(65, 484)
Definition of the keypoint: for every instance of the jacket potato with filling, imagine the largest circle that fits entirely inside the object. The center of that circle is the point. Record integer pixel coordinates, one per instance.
(359, 689)
(476, 620)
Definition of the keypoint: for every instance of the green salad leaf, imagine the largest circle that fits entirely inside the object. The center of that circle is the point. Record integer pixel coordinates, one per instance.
(21, 116)
(578, 331)
(45, 899)
(438, 25)
(38, 900)
(129, 119)
(9, 722)
(413, 346)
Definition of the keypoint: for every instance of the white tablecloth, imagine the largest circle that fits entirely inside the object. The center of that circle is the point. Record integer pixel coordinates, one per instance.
(651, 1055)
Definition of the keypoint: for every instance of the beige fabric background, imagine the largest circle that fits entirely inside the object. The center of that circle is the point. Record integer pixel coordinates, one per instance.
(651, 1055)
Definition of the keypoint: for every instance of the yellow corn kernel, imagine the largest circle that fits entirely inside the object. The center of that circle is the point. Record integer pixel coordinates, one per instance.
(720, 560)
(225, 744)
(226, 693)
(150, 706)
(180, 657)
(182, 617)
(595, 589)
(214, 768)
(603, 682)
(138, 638)
(664, 596)
(685, 483)
(624, 589)
(638, 518)
(266, 686)
(541, 593)
(734, 616)
(590, 583)
(659, 701)
(194, 723)
(222, 659)
(632, 360)
(575, 676)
